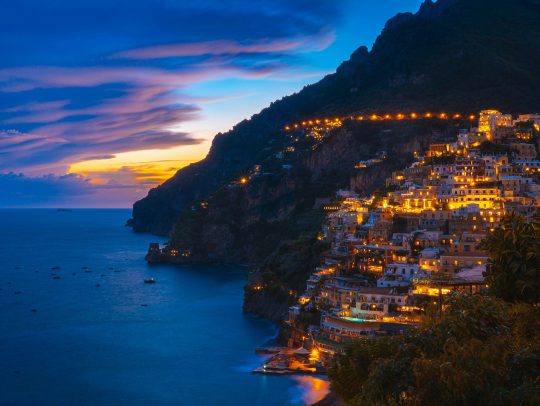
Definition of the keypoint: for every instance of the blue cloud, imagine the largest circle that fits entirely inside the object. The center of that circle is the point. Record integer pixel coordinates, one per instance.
(91, 78)
(88, 78)
(76, 32)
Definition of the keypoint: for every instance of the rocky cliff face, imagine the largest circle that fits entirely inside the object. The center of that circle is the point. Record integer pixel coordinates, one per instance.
(456, 55)
(248, 222)
(266, 305)
(453, 55)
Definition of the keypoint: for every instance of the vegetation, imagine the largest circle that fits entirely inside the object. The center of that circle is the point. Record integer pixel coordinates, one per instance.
(488, 147)
(513, 273)
(446, 159)
(289, 266)
(525, 127)
(439, 59)
(481, 351)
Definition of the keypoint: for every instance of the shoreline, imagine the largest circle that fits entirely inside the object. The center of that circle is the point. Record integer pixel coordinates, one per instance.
(329, 399)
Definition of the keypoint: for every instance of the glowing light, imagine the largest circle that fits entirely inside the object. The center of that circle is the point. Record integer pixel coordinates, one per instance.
(149, 167)
(314, 355)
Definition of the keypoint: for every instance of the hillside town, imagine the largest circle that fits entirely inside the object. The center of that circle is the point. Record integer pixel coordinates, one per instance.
(397, 253)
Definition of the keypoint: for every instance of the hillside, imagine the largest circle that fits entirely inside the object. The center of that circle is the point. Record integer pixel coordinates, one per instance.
(452, 55)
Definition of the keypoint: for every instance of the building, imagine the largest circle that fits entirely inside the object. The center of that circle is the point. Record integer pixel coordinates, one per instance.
(453, 263)
(397, 275)
(483, 197)
(468, 170)
(523, 151)
(380, 232)
(489, 120)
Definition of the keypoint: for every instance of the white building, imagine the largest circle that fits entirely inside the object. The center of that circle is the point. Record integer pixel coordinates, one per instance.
(397, 275)
(489, 120)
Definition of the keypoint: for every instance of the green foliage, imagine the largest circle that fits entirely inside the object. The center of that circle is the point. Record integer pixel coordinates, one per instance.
(480, 351)
(290, 265)
(524, 127)
(513, 272)
(446, 159)
(488, 147)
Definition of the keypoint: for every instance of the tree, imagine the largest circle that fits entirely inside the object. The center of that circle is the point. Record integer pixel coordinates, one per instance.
(513, 272)
(481, 350)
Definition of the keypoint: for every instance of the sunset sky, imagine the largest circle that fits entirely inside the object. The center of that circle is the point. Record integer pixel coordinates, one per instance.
(102, 99)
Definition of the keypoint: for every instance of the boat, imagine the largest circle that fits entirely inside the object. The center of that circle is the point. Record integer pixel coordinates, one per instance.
(150, 280)
(262, 370)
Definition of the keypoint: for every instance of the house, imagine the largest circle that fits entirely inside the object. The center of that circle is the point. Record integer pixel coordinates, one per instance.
(397, 275)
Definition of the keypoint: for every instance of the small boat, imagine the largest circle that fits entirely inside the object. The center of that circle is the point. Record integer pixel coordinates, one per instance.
(268, 371)
(150, 280)
(55, 267)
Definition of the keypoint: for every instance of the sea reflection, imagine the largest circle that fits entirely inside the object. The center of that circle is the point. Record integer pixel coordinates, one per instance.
(312, 389)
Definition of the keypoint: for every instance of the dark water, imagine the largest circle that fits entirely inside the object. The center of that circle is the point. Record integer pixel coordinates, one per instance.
(183, 340)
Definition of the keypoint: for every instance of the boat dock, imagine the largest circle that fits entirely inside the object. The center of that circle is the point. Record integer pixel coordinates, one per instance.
(286, 361)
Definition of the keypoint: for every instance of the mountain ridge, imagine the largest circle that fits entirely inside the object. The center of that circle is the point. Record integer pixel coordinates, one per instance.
(451, 55)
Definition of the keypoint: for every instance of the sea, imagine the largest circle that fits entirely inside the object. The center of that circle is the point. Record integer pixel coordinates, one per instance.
(78, 325)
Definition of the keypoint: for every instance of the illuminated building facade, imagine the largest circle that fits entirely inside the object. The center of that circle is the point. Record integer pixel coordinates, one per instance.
(489, 120)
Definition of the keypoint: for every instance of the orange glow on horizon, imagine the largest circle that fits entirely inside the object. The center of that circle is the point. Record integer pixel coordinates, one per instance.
(147, 167)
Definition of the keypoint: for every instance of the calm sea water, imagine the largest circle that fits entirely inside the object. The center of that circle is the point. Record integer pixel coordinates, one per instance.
(102, 336)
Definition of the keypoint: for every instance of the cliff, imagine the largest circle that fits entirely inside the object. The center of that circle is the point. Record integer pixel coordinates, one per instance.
(454, 55)
(272, 220)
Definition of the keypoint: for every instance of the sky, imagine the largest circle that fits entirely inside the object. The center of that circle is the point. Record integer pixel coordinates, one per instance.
(101, 100)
